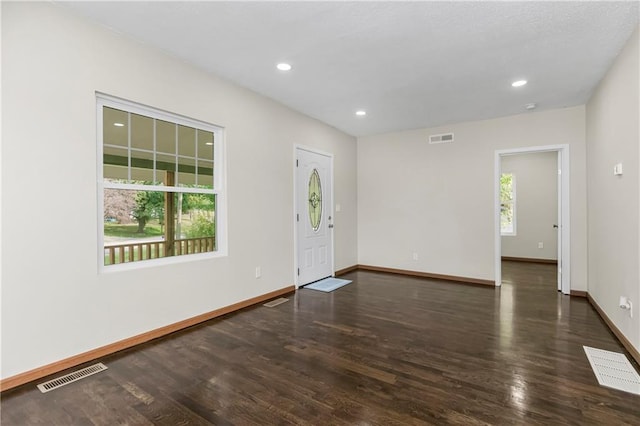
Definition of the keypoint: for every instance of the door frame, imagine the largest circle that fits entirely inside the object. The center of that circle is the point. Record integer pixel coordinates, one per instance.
(564, 217)
(297, 147)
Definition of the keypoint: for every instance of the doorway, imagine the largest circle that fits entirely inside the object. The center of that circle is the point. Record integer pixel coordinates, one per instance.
(561, 223)
(313, 216)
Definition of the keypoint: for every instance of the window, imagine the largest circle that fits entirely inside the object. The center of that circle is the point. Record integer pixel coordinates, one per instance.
(160, 181)
(507, 204)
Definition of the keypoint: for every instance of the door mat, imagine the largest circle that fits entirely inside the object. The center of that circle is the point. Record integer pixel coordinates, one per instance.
(328, 284)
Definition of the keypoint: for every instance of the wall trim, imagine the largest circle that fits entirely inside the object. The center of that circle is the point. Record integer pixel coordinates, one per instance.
(55, 367)
(615, 330)
(578, 293)
(452, 278)
(346, 270)
(530, 260)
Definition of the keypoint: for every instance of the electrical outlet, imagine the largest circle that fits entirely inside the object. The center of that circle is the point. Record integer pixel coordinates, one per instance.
(258, 272)
(625, 303)
(415, 256)
(540, 245)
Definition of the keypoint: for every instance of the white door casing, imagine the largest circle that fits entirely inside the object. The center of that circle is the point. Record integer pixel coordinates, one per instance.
(558, 224)
(313, 215)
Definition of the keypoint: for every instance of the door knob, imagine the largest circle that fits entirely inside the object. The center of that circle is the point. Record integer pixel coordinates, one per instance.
(555, 226)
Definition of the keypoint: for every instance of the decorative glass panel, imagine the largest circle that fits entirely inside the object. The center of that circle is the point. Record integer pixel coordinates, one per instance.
(315, 200)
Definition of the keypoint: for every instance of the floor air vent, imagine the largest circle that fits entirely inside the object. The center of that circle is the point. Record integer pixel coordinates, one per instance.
(613, 370)
(276, 302)
(443, 138)
(71, 377)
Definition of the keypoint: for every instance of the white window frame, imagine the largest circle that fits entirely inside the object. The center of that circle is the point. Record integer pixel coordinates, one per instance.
(219, 183)
(513, 232)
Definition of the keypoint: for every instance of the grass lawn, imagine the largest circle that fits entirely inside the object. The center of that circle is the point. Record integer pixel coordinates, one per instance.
(131, 230)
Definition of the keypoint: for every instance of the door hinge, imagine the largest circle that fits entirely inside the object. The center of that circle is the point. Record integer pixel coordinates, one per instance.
(296, 163)
(298, 217)
(298, 271)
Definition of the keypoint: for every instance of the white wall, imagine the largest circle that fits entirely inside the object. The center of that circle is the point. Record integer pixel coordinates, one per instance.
(613, 137)
(536, 187)
(54, 302)
(437, 200)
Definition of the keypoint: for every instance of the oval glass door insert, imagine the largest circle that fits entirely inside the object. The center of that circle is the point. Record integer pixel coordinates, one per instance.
(315, 200)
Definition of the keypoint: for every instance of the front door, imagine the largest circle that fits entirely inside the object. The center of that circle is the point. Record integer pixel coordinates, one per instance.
(314, 224)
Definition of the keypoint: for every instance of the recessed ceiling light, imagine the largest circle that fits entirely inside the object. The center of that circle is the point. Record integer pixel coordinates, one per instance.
(531, 106)
(208, 143)
(519, 83)
(283, 66)
(118, 124)
(361, 113)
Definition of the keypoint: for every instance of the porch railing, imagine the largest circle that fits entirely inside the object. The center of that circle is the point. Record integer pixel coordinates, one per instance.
(132, 252)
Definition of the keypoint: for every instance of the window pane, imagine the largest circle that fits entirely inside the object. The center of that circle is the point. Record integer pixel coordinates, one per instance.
(195, 223)
(142, 167)
(141, 132)
(507, 200)
(115, 127)
(165, 137)
(186, 172)
(133, 225)
(164, 163)
(186, 141)
(115, 163)
(205, 145)
(205, 174)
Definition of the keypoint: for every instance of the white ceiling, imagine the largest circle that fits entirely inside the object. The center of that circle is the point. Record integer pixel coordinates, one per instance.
(408, 64)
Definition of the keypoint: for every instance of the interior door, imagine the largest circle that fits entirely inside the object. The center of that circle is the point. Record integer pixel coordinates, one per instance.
(314, 224)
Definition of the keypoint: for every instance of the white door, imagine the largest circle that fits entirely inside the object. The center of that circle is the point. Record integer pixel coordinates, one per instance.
(314, 224)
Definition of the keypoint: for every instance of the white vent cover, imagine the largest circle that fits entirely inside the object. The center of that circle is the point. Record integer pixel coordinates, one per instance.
(443, 138)
(276, 302)
(71, 377)
(613, 370)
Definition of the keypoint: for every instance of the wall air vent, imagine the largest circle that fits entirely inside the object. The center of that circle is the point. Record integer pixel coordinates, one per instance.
(443, 138)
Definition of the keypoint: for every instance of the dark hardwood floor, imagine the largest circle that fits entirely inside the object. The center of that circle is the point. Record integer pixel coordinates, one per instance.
(386, 349)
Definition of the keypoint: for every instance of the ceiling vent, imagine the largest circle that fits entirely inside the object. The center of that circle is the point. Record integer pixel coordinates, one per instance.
(443, 138)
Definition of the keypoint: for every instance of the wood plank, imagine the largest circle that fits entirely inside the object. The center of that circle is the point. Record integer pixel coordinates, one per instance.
(530, 259)
(452, 278)
(387, 349)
